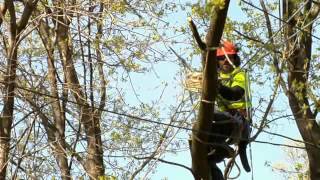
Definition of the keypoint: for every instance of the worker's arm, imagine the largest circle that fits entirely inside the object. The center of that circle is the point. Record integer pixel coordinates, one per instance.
(231, 93)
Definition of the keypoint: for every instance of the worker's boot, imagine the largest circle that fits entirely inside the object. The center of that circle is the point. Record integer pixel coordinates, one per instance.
(215, 171)
(243, 147)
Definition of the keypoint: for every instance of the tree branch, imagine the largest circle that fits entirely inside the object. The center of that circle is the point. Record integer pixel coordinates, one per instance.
(271, 37)
(3, 10)
(171, 163)
(183, 61)
(268, 109)
(13, 23)
(248, 37)
(196, 35)
(100, 62)
(28, 9)
(161, 141)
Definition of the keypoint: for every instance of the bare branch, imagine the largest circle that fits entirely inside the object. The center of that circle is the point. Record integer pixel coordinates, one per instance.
(315, 10)
(3, 10)
(13, 23)
(264, 119)
(23, 149)
(248, 37)
(171, 163)
(155, 152)
(196, 35)
(28, 9)
(100, 61)
(183, 61)
(271, 39)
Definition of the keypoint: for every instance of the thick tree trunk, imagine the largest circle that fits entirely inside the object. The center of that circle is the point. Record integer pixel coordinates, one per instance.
(59, 144)
(314, 158)
(199, 149)
(298, 58)
(305, 119)
(8, 99)
(308, 128)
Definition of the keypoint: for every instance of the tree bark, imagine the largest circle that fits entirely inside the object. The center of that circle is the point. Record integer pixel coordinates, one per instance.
(298, 60)
(6, 118)
(201, 128)
(90, 117)
(56, 131)
(7, 111)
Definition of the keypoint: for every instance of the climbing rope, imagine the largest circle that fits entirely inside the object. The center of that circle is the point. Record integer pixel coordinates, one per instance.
(229, 167)
(193, 82)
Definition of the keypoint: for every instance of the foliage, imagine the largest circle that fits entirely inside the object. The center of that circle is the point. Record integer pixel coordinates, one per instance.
(133, 42)
(295, 165)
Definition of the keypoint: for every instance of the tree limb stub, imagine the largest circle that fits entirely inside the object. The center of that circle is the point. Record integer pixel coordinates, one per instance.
(196, 35)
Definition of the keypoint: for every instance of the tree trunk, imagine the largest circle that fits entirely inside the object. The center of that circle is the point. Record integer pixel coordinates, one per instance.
(306, 123)
(56, 131)
(94, 161)
(298, 58)
(7, 111)
(6, 118)
(199, 149)
(90, 118)
(305, 119)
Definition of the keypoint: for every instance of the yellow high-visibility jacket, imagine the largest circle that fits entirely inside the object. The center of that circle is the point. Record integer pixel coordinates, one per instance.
(236, 78)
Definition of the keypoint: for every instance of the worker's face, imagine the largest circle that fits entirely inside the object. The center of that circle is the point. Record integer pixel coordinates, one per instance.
(224, 64)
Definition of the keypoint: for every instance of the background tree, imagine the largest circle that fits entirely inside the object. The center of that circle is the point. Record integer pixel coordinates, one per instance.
(17, 23)
(74, 62)
(297, 54)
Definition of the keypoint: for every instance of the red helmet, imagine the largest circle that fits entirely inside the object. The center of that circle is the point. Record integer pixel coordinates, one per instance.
(229, 48)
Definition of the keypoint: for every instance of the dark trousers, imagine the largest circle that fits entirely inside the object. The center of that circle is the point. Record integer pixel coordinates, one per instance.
(223, 127)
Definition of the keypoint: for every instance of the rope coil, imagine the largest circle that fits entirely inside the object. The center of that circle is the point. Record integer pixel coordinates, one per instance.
(193, 82)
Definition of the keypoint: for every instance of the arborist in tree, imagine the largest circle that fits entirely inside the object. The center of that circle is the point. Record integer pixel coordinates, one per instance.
(231, 125)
